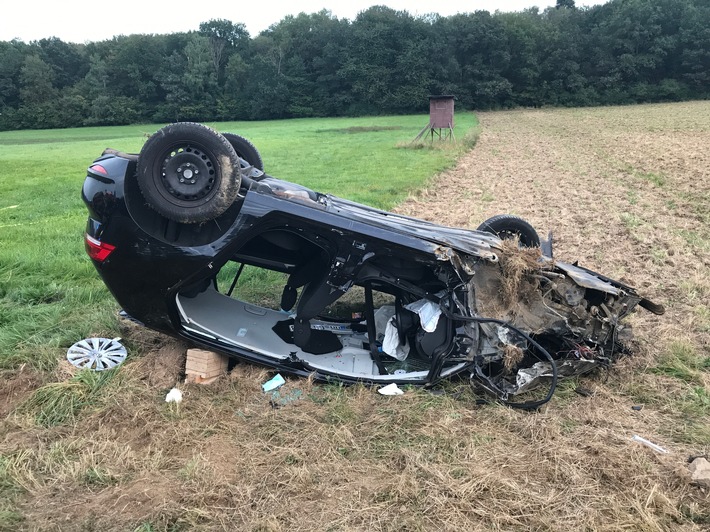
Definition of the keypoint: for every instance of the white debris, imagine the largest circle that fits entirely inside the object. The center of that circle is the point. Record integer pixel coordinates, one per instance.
(428, 312)
(391, 389)
(382, 317)
(391, 344)
(649, 444)
(174, 396)
(503, 335)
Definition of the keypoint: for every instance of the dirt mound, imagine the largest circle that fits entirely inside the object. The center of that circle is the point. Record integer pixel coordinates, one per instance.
(165, 367)
(162, 358)
(17, 386)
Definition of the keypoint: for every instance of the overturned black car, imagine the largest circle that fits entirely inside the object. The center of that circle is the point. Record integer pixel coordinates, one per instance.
(176, 230)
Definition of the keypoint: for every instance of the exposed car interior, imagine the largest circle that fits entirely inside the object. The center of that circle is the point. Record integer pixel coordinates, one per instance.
(303, 324)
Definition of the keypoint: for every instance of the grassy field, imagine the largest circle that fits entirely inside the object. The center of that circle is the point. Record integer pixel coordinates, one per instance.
(626, 192)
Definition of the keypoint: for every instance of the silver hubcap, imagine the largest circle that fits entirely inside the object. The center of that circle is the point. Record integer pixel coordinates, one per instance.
(97, 354)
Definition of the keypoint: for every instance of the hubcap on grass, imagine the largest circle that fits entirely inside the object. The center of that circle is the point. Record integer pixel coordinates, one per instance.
(97, 354)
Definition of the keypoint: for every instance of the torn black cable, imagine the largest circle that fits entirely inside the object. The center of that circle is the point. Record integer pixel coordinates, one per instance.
(528, 405)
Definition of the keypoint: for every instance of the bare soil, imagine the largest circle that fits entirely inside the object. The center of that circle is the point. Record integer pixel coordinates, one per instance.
(625, 191)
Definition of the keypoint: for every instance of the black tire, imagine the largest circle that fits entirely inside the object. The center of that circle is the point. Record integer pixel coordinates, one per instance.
(507, 226)
(188, 172)
(245, 149)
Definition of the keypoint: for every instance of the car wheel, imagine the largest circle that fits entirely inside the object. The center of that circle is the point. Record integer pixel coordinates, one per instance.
(245, 149)
(188, 172)
(507, 226)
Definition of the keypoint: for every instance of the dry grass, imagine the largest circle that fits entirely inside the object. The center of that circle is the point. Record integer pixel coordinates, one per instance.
(339, 458)
(512, 356)
(517, 266)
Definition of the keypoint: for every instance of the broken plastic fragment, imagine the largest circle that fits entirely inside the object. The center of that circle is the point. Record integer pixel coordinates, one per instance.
(652, 445)
(391, 389)
(174, 396)
(428, 312)
(279, 399)
(274, 383)
(503, 335)
(528, 378)
(391, 344)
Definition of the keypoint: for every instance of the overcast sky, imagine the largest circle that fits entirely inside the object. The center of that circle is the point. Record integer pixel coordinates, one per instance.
(91, 20)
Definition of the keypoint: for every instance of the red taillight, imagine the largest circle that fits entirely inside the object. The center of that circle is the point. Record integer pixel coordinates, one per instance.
(96, 249)
(97, 168)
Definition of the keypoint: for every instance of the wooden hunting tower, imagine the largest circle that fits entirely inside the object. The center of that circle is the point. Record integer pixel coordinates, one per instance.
(441, 118)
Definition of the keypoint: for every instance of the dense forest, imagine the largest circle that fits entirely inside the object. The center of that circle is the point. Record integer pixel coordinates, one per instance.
(382, 62)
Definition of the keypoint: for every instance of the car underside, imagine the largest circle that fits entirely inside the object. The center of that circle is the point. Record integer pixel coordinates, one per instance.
(364, 295)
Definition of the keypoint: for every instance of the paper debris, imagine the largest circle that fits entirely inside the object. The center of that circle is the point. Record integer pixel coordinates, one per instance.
(174, 396)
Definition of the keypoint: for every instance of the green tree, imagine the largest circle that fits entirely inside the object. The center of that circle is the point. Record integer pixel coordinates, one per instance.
(307, 52)
(477, 55)
(96, 81)
(387, 61)
(525, 45)
(36, 81)
(136, 62)
(189, 83)
(68, 61)
(234, 103)
(225, 38)
(12, 58)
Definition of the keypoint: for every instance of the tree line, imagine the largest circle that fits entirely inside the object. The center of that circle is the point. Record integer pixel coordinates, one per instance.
(382, 62)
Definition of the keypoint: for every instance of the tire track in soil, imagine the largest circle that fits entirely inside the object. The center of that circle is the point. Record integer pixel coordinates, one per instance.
(625, 191)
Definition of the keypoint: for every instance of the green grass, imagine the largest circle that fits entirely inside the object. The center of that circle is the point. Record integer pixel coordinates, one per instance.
(59, 402)
(657, 178)
(682, 362)
(50, 295)
(369, 160)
